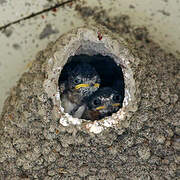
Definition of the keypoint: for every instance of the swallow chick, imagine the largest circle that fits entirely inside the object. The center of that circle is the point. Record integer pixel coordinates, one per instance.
(82, 81)
(104, 102)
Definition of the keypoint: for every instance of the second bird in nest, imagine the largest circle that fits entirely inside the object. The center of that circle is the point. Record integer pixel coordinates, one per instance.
(104, 102)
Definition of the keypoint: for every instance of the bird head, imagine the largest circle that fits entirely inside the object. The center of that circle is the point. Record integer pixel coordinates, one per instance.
(83, 80)
(105, 102)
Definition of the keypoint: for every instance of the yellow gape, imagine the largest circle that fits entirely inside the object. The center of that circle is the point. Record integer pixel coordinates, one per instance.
(103, 107)
(116, 104)
(100, 107)
(81, 85)
(86, 85)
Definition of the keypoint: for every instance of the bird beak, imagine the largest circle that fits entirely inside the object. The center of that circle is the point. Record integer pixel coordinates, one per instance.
(100, 107)
(86, 85)
(81, 85)
(103, 107)
(116, 104)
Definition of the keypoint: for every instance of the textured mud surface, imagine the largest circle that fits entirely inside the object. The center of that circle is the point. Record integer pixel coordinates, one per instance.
(34, 145)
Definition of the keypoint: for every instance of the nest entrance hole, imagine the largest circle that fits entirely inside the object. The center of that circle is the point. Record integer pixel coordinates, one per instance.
(110, 72)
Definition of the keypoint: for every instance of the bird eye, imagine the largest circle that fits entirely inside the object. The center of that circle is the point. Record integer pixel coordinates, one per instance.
(117, 98)
(77, 81)
(96, 102)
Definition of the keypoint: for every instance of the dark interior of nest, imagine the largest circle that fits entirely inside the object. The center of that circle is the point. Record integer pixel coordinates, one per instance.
(105, 100)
